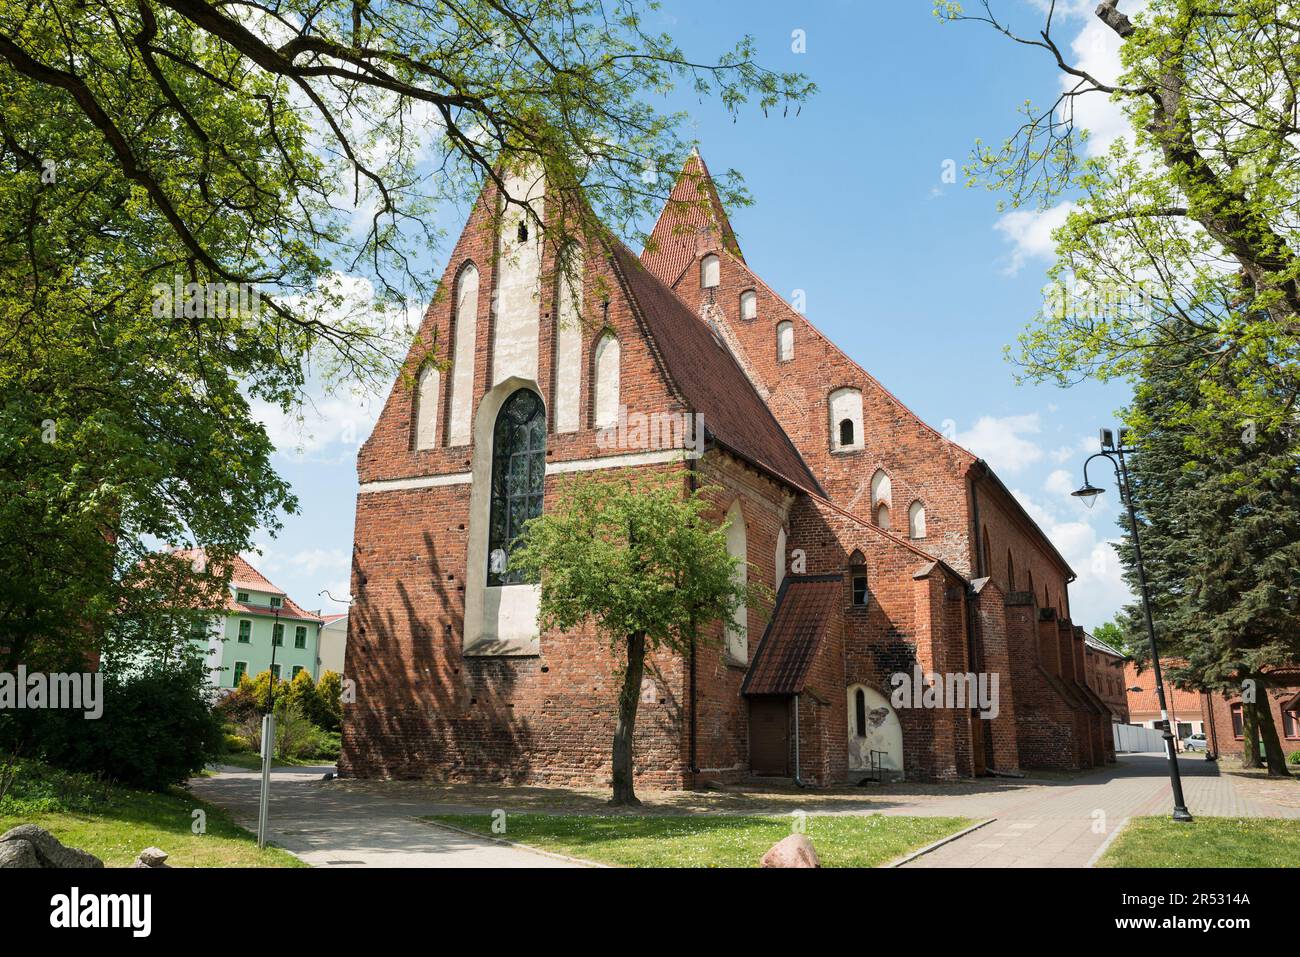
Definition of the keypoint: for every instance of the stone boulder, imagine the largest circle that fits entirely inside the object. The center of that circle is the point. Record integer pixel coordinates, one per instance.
(45, 847)
(18, 854)
(151, 857)
(793, 851)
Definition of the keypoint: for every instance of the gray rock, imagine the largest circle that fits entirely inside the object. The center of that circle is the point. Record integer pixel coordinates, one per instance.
(49, 852)
(18, 854)
(151, 857)
(793, 851)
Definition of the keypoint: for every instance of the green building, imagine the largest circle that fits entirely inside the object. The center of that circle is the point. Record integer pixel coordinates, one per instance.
(263, 628)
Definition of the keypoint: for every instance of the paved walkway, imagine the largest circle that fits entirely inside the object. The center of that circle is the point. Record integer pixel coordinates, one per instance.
(328, 827)
(1038, 822)
(1066, 824)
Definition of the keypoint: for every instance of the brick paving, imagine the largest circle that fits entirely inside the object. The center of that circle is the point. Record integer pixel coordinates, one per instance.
(1065, 824)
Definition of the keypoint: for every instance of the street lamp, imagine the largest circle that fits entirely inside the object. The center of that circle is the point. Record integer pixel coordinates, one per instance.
(1114, 452)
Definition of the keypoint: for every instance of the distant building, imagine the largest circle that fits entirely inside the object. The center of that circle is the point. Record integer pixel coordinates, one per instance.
(333, 642)
(1186, 708)
(1104, 669)
(261, 622)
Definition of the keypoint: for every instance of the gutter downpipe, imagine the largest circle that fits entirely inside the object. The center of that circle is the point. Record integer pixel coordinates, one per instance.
(694, 768)
(974, 648)
(797, 779)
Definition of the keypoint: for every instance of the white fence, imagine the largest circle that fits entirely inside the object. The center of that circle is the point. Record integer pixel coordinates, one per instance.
(1134, 737)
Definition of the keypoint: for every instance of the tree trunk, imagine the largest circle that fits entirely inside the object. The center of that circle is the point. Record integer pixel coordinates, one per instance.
(1273, 753)
(1249, 735)
(628, 700)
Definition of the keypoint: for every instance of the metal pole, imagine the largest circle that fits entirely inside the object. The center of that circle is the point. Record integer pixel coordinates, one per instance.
(268, 745)
(268, 748)
(1175, 779)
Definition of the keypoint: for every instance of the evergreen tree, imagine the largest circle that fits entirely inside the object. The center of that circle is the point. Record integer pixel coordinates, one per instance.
(1218, 502)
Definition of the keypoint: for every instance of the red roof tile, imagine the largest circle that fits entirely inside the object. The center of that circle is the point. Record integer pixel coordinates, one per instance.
(691, 221)
(245, 576)
(804, 609)
(709, 379)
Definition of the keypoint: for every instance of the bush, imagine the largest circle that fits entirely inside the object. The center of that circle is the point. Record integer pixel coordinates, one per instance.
(1293, 757)
(157, 729)
(327, 710)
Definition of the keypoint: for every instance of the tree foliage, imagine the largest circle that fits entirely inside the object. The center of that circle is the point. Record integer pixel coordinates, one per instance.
(190, 190)
(1183, 234)
(1220, 534)
(638, 558)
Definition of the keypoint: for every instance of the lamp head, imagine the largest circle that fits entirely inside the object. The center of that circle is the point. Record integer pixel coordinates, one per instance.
(1107, 439)
(1088, 494)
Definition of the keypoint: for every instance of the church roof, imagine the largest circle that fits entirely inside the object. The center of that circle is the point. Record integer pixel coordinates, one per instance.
(692, 213)
(709, 379)
(804, 610)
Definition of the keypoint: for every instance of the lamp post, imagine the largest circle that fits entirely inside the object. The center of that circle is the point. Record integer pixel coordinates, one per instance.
(268, 744)
(1114, 452)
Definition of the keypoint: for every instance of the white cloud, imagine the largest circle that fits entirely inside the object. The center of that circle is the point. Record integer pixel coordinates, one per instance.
(1059, 483)
(1030, 233)
(1001, 441)
(1096, 51)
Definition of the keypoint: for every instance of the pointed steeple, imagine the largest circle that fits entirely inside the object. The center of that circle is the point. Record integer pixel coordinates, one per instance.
(692, 221)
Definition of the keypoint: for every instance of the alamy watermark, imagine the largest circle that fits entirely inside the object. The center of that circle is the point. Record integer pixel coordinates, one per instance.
(205, 300)
(958, 690)
(656, 431)
(77, 691)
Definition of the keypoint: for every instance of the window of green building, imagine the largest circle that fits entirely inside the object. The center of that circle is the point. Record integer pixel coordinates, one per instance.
(294, 673)
(275, 671)
(241, 669)
(241, 596)
(276, 602)
(300, 636)
(277, 635)
(245, 631)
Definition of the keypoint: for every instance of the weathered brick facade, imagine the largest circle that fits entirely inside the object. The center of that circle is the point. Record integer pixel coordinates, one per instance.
(445, 689)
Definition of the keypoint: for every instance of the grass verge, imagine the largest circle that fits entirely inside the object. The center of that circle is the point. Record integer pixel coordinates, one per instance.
(117, 823)
(1206, 842)
(713, 841)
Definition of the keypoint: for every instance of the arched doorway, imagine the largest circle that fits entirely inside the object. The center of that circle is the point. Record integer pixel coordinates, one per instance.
(873, 727)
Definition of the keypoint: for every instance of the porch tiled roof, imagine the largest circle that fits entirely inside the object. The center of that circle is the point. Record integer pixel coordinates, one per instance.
(803, 612)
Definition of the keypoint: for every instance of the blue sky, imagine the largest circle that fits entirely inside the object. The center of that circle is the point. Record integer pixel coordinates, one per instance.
(924, 283)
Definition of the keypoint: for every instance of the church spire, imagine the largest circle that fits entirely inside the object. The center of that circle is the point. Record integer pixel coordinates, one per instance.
(692, 221)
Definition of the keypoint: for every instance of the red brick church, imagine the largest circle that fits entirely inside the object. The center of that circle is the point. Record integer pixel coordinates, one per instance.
(892, 551)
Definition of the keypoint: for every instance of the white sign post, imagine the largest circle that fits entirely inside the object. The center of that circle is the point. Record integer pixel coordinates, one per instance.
(268, 748)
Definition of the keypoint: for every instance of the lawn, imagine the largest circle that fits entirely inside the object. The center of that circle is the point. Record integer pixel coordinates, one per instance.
(713, 840)
(1206, 842)
(116, 823)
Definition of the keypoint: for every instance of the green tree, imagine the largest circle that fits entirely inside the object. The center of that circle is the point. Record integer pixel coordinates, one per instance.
(637, 558)
(327, 709)
(1182, 234)
(289, 151)
(1221, 542)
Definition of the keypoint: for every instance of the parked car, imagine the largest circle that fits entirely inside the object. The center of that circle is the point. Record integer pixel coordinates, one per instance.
(1195, 742)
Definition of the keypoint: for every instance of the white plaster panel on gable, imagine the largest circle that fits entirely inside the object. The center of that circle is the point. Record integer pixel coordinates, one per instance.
(845, 404)
(568, 346)
(518, 294)
(426, 408)
(785, 341)
(606, 369)
(465, 331)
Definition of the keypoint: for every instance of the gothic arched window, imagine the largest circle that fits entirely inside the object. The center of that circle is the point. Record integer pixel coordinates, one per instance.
(518, 475)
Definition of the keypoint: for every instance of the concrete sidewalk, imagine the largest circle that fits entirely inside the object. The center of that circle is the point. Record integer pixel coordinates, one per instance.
(330, 828)
(1066, 824)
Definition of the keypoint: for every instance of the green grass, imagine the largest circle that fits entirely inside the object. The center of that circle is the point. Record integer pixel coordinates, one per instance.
(252, 761)
(1206, 842)
(116, 823)
(714, 840)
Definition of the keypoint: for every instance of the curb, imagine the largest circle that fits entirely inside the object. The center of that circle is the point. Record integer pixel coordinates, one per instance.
(907, 858)
(1110, 839)
(507, 843)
